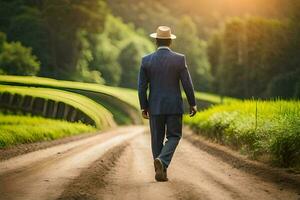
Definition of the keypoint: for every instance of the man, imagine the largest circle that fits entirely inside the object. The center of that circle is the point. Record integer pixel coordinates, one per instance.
(162, 71)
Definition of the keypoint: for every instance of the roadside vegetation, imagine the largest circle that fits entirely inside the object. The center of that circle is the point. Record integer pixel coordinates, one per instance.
(262, 129)
(17, 129)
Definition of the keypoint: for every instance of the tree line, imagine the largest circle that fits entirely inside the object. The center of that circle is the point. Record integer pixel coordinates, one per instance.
(85, 41)
(68, 39)
(256, 57)
(244, 57)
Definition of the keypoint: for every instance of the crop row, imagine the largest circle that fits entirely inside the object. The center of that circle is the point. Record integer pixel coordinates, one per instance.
(51, 103)
(121, 102)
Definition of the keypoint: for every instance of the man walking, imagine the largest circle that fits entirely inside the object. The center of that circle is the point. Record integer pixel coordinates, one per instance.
(162, 71)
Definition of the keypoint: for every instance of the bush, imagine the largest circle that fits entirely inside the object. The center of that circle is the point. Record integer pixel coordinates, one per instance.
(16, 59)
(258, 128)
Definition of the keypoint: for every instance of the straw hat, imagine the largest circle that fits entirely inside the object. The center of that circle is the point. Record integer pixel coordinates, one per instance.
(163, 32)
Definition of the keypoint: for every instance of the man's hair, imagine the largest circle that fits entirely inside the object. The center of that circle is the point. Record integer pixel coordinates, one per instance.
(163, 42)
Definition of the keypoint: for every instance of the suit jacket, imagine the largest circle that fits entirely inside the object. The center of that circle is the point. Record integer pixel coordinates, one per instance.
(162, 71)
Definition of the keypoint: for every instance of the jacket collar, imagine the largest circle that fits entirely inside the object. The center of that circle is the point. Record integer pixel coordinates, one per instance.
(164, 47)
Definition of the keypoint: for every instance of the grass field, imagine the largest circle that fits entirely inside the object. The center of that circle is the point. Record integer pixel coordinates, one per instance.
(263, 129)
(26, 129)
(102, 117)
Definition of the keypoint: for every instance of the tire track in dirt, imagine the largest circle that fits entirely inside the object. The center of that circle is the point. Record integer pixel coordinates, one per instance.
(92, 179)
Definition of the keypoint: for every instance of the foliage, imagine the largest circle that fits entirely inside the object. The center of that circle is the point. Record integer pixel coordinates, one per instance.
(83, 73)
(105, 56)
(194, 49)
(16, 59)
(153, 12)
(26, 129)
(250, 53)
(130, 57)
(2, 41)
(207, 14)
(256, 127)
(111, 46)
(28, 27)
(52, 29)
(285, 85)
(214, 52)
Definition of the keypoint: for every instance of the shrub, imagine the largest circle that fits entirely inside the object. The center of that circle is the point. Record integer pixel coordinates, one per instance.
(16, 59)
(255, 127)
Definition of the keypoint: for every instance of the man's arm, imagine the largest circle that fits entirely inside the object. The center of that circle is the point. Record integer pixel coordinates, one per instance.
(188, 87)
(143, 82)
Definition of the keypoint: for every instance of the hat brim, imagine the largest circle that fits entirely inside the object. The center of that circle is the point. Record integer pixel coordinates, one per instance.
(154, 35)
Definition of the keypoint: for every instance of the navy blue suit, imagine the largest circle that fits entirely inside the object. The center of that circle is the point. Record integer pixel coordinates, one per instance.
(162, 71)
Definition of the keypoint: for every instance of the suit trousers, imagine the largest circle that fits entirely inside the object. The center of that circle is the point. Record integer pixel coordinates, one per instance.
(161, 126)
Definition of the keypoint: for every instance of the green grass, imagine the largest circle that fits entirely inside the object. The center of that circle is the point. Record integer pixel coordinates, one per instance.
(102, 117)
(25, 129)
(262, 129)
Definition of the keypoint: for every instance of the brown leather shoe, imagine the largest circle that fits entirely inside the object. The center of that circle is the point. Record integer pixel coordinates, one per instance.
(160, 171)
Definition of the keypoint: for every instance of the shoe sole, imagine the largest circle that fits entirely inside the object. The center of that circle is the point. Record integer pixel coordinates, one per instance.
(159, 170)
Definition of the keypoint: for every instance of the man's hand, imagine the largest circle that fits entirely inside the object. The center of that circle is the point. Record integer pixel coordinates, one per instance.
(193, 110)
(145, 114)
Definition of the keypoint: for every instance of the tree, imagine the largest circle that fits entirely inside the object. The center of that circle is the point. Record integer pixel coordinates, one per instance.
(214, 53)
(52, 29)
(231, 72)
(195, 50)
(2, 41)
(247, 53)
(130, 59)
(110, 52)
(285, 85)
(64, 20)
(16, 59)
(83, 72)
(29, 28)
(106, 60)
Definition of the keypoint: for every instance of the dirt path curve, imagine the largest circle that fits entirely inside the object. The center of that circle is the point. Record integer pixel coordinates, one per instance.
(193, 174)
(43, 174)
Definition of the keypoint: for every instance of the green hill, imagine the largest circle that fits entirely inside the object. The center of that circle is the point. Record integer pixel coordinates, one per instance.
(53, 103)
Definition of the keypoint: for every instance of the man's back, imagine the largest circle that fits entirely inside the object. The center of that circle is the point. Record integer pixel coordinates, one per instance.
(163, 70)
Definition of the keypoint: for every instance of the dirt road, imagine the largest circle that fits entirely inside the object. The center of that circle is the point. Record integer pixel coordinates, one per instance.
(92, 169)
